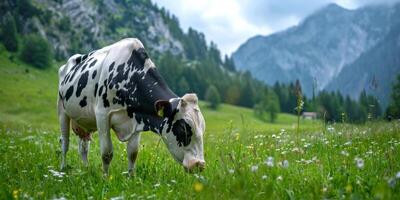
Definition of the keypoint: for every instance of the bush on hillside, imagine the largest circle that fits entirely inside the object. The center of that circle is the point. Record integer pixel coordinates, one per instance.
(213, 97)
(36, 51)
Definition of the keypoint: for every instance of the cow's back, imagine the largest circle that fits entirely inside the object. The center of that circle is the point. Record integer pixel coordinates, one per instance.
(83, 80)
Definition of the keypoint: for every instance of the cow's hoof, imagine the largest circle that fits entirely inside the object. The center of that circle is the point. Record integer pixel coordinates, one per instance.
(65, 168)
(131, 173)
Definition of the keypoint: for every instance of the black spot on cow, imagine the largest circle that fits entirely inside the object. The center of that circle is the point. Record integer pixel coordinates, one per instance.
(91, 53)
(150, 122)
(183, 132)
(94, 74)
(171, 118)
(83, 102)
(111, 67)
(92, 64)
(84, 57)
(82, 83)
(110, 84)
(78, 60)
(137, 59)
(84, 67)
(106, 103)
(100, 90)
(95, 88)
(74, 69)
(59, 95)
(69, 92)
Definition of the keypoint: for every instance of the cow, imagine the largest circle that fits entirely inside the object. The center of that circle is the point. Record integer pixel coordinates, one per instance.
(119, 87)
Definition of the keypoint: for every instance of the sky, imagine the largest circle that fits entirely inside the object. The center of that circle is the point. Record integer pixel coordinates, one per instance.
(229, 23)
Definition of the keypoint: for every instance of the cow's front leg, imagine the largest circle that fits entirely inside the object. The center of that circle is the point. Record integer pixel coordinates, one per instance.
(132, 149)
(106, 147)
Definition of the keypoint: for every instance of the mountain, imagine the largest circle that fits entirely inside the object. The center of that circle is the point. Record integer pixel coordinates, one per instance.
(318, 49)
(76, 26)
(374, 71)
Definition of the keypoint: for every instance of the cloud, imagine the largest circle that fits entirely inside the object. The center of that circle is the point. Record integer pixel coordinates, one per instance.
(229, 23)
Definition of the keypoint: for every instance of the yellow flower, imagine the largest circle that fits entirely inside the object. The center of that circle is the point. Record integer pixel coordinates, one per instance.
(198, 187)
(15, 194)
(110, 178)
(349, 188)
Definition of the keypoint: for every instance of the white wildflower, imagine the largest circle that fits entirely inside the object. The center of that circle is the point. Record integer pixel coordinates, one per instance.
(398, 175)
(254, 168)
(345, 153)
(285, 164)
(117, 198)
(264, 177)
(359, 162)
(231, 171)
(270, 161)
(279, 178)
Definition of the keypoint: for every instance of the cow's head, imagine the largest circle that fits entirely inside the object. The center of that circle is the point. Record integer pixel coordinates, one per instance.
(183, 130)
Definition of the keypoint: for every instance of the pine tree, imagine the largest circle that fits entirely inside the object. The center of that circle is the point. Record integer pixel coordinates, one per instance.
(393, 111)
(9, 35)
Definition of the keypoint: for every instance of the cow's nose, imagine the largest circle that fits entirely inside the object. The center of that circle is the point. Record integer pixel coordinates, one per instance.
(195, 166)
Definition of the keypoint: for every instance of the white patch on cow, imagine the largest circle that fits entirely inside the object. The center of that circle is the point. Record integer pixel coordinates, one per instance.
(148, 64)
(122, 124)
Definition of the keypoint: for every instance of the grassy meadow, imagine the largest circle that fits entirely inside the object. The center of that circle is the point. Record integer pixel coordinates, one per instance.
(246, 158)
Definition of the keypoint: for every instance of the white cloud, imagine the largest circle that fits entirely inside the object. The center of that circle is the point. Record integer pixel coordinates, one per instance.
(229, 23)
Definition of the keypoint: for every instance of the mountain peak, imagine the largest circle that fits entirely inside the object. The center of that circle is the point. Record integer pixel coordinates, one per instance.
(331, 8)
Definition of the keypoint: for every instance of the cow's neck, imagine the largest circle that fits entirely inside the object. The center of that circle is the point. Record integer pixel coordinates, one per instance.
(153, 88)
(149, 123)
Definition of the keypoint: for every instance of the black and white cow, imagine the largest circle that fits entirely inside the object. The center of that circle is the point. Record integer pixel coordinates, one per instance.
(119, 87)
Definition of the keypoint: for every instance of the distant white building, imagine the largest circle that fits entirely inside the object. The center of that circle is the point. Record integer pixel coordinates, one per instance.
(309, 115)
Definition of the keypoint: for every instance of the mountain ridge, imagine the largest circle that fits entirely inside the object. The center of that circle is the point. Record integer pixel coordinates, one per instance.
(318, 47)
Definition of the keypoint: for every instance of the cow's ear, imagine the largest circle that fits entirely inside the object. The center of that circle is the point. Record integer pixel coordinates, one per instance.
(163, 108)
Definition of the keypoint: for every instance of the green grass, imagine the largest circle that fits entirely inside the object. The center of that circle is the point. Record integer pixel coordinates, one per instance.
(321, 162)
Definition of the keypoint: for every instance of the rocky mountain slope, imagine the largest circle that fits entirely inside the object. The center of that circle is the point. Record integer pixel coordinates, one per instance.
(374, 71)
(320, 47)
(83, 25)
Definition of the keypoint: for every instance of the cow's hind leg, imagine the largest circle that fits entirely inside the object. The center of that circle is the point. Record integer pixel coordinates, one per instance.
(106, 147)
(84, 145)
(132, 149)
(64, 121)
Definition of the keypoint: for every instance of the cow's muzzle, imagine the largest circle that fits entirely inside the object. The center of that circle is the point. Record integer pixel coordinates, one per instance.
(195, 165)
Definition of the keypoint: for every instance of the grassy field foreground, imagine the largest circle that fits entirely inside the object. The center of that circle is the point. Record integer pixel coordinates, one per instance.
(246, 158)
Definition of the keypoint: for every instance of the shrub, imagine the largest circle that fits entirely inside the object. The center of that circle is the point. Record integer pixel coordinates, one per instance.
(36, 51)
(213, 97)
